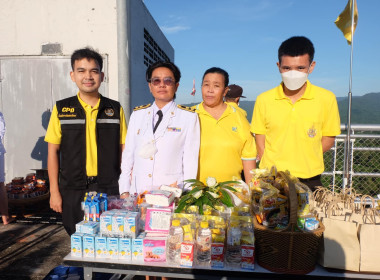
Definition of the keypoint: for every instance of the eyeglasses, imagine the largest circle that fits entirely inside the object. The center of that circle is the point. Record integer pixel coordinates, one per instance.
(167, 81)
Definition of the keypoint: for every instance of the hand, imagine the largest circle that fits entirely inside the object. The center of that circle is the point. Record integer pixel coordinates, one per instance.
(56, 202)
(124, 195)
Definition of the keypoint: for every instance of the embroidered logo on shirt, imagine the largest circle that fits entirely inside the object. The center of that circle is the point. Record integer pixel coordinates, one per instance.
(109, 112)
(68, 109)
(234, 128)
(174, 129)
(312, 132)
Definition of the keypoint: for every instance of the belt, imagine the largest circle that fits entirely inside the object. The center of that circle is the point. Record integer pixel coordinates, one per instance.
(317, 177)
(92, 180)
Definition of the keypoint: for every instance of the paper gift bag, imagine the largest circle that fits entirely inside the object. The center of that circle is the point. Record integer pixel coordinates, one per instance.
(340, 248)
(369, 235)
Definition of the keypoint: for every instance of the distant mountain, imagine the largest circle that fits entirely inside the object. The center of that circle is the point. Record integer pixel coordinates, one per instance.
(364, 110)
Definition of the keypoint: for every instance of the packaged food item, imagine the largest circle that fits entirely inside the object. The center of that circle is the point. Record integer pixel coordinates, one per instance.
(159, 197)
(77, 245)
(187, 246)
(177, 191)
(131, 224)
(311, 224)
(158, 220)
(118, 219)
(113, 247)
(138, 248)
(154, 249)
(101, 247)
(106, 223)
(89, 246)
(125, 249)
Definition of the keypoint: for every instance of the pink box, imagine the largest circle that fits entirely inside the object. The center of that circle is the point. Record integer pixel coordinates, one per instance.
(158, 220)
(154, 249)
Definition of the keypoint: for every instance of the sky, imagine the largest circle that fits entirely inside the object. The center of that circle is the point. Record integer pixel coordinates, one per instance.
(243, 36)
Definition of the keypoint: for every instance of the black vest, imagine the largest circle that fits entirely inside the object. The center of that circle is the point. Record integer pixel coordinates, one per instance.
(73, 143)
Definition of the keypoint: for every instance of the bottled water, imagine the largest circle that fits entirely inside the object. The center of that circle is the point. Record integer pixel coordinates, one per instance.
(175, 238)
(203, 245)
(233, 250)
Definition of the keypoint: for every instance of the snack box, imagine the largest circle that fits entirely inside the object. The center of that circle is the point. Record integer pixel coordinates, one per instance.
(125, 249)
(177, 191)
(89, 246)
(138, 248)
(101, 247)
(187, 254)
(90, 227)
(248, 257)
(158, 220)
(154, 249)
(217, 255)
(159, 197)
(113, 247)
(77, 245)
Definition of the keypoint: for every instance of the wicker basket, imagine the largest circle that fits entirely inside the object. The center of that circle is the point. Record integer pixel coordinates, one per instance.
(290, 250)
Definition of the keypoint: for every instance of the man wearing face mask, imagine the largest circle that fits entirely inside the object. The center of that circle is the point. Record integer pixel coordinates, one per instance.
(296, 122)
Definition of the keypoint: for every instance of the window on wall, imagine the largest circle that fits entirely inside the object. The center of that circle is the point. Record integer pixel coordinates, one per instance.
(152, 51)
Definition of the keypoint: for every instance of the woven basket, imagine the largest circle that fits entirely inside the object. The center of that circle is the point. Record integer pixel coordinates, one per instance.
(288, 250)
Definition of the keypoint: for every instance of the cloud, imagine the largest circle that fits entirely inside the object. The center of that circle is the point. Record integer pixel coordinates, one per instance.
(173, 29)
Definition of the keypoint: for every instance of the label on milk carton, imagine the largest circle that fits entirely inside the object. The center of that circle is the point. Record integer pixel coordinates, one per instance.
(101, 247)
(187, 254)
(113, 247)
(138, 248)
(88, 246)
(125, 249)
(76, 245)
(217, 255)
(248, 257)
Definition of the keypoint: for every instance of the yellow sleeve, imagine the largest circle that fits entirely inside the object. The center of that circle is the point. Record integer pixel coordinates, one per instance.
(249, 151)
(331, 122)
(258, 117)
(54, 132)
(123, 126)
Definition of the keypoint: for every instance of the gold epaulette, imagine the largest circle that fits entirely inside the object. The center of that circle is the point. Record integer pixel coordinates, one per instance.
(186, 108)
(141, 107)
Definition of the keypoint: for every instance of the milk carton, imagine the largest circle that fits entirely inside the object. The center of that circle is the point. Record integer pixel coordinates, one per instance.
(101, 247)
(125, 249)
(113, 247)
(76, 245)
(138, 248)
(88, 246)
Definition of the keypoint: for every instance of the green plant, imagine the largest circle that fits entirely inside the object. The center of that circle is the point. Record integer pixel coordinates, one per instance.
(212, 193)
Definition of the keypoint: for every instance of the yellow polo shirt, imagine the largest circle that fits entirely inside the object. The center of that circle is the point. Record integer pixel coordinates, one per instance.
(293, 132)
(239, 109)
(224, 144)
(54, 133)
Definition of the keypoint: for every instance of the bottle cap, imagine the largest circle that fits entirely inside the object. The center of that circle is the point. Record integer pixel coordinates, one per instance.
(176, 223)
(204, 224)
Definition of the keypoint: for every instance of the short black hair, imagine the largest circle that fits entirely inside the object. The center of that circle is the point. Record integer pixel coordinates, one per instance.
(167, 64)
(219, 71)
(296, 46)
(88, 53)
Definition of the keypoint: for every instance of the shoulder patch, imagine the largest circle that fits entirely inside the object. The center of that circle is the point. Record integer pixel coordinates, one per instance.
(186, 108)
(141, 107)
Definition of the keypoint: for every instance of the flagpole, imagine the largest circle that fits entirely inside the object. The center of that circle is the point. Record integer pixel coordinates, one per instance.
(348, 151)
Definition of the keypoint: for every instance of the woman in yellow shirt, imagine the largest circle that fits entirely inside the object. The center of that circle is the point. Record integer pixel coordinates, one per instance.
(227, 146)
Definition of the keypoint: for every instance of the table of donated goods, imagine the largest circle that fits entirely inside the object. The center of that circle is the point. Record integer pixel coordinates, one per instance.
(175, 272)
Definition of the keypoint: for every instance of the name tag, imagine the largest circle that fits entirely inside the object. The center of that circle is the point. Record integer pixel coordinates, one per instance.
(174, 129)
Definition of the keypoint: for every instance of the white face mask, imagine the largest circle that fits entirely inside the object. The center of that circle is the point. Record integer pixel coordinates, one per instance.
(294, 79)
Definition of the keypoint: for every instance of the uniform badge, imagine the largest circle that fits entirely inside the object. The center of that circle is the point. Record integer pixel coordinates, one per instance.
(174, 129)
(312, 132)
(109, 112)
(234, 128)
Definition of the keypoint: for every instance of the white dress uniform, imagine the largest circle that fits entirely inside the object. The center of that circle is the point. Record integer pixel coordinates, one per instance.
(169, 155)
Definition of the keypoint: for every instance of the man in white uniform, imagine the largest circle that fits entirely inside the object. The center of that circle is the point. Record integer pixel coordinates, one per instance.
(162, 142)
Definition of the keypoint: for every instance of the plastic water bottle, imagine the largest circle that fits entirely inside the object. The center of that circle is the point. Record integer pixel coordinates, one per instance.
(174, 241)
(203, 245)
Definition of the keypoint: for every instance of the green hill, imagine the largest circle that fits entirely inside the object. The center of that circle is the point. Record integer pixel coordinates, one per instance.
(364, 110)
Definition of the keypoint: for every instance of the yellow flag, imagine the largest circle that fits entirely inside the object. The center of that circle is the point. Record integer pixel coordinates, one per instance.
(344, 20)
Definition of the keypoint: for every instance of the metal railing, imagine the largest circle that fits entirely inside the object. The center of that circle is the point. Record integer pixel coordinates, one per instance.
(363, 160)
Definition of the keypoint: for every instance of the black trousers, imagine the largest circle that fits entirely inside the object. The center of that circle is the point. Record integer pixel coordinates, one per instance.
(312, 182)
(72, 212)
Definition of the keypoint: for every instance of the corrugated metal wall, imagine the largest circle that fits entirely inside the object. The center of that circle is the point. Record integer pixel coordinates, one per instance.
(29, 88)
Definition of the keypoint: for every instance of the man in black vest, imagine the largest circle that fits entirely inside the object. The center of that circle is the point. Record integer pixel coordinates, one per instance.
(85, 138)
